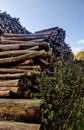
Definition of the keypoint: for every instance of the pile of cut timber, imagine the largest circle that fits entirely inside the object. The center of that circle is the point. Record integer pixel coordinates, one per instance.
(11, 25)
(25, 56)
(21, 60)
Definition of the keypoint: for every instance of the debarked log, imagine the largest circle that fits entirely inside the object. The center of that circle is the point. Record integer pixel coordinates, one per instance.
(20, 110)
(21, 58)
(10, 125)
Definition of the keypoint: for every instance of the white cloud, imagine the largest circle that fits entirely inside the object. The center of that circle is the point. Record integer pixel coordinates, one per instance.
(76, 50)
(80, 41)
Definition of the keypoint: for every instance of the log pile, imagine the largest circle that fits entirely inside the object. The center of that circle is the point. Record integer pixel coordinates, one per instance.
(25, 56)
(11, 25)
(20, 62)
(61, 50)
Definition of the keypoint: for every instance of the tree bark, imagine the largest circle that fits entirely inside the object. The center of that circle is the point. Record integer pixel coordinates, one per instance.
(11, 71)
(12, 76)
(20, 109)
(34, 48)
(6, 91)
(21, 58)
(14, 53)
(25, 36)
(36, 67)
(45, 63)
(7, 125)
(9, 47)
(27, 62)
(13, 83)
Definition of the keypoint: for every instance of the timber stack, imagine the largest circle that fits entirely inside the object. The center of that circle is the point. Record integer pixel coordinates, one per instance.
(24, 56)
(11, 25)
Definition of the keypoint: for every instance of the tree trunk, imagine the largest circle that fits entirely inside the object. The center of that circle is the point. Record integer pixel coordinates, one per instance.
(7, 125)
(20, 110)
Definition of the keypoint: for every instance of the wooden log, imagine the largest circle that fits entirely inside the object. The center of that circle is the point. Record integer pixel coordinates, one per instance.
(21, 58)
(9, 47)
(20, 110)
(45, 63)
(24, 37)
(6, 91)
(14, 53)
(34, 48)
(26, 62)
(47, 31)
(12, 83)
(11, 71)
(36, 67)
(5, 41)
(9, 125)
(25, 45)
(39, 40)
(12, 76)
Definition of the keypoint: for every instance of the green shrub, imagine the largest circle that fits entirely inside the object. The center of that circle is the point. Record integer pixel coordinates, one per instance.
(62, 93)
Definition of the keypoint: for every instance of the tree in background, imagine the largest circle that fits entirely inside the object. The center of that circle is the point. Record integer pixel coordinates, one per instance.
(80, 55)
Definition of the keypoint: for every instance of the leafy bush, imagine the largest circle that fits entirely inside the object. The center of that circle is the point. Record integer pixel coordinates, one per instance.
(62, 93)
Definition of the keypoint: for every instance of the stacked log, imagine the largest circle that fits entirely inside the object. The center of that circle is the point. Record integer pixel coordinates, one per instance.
(25, 56)
(7, 125)
(21, 62)
(26, 110)
(11, 25)
(61, 50)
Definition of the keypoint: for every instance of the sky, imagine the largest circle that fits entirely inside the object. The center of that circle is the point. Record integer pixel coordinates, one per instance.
(42, 14)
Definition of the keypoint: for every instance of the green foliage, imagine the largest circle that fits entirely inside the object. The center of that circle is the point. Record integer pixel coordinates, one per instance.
(62, 93)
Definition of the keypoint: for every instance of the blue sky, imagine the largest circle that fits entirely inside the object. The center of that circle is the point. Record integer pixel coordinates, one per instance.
(41, 14)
